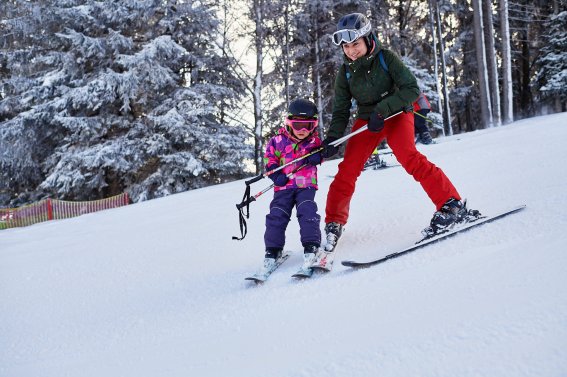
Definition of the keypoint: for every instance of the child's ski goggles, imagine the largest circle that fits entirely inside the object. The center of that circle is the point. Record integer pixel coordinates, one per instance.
(350, 35)
(302, 124)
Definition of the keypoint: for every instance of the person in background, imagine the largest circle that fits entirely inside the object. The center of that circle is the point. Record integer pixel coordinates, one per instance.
(422, 107)
(374, 162)
(379, 93)
(297, 138)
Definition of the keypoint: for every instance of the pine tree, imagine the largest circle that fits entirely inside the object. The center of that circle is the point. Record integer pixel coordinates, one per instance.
(552, 75)
(115, 96)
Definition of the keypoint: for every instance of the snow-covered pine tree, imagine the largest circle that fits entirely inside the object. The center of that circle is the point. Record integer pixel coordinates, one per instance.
(552, 74)
(461, 65)
(428, 85)
(314, 59)
(109, 96)
(482, 69)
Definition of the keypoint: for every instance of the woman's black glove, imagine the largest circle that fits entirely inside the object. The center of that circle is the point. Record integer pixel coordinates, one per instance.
(329, 150)
(375, 122)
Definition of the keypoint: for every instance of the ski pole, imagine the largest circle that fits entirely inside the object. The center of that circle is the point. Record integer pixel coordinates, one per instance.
(423, 116)
(334, 144)
(258, 177)
(361, 129)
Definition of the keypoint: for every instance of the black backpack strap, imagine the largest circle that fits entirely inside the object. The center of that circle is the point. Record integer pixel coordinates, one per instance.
(383, 61)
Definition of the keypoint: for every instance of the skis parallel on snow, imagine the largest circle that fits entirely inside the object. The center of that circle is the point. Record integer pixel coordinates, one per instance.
(431, 240)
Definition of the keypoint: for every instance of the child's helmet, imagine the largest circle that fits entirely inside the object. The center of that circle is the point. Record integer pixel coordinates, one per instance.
(302, 108)
(302, 115)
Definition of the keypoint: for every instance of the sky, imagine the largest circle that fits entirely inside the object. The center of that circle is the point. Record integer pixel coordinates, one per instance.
(157, 288)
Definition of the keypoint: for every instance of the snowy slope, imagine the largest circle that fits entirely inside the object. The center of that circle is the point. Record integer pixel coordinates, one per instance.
(157, 289)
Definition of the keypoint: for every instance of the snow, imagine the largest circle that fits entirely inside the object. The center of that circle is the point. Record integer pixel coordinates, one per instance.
(157, 288)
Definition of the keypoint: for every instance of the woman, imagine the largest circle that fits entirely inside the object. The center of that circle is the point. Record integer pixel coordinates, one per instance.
(382, 86)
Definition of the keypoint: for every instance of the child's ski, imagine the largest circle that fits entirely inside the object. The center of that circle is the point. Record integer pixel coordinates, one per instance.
(325, 261)
(263, 274)
(428, 241)
(305, 271)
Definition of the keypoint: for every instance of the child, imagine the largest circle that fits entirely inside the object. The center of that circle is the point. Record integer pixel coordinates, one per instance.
(297, 138)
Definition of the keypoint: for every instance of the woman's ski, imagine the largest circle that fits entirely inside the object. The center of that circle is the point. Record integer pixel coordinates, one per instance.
(428, 241)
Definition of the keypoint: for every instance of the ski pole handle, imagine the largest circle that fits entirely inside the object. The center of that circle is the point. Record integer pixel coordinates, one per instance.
(255, 179)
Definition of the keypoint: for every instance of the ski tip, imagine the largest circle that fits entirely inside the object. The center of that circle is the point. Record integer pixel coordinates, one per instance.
(320, 268)
(301, 276)
(255, 280)
(350, 263)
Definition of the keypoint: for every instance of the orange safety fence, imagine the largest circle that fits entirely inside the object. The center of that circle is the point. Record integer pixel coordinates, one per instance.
(54, 209)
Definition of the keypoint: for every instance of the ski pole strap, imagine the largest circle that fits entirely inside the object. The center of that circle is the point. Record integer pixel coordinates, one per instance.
(244, 213)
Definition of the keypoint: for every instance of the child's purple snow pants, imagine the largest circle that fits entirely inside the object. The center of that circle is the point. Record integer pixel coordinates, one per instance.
(280, 213)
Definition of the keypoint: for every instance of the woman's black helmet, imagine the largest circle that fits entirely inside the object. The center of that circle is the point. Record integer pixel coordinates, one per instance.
(302, 108)
(351, 27)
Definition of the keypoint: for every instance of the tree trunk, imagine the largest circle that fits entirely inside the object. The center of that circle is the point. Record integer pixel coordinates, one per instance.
(257, 92)
(401, 27)
(507, 92)
(446, 104)
(525, 90)
(317, 72)
(492, 66)
(435, 62)
(286, 54)
(485, 106)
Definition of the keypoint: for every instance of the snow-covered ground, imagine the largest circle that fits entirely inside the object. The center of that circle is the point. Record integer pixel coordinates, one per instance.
(157, 288)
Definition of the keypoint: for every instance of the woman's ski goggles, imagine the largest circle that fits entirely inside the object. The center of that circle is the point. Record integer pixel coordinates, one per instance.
(350, 35)
(302, 124)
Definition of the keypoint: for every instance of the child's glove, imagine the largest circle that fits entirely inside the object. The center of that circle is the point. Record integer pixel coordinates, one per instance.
(314, 159)
(279, 178)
